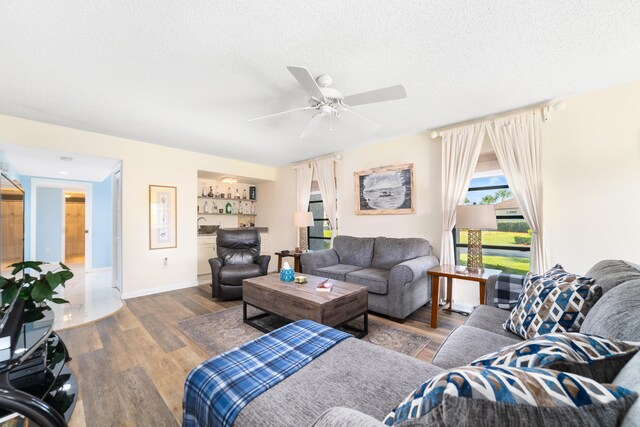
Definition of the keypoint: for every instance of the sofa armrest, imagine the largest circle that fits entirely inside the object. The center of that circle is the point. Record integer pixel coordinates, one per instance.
(413, 269)
(318, 259)
(216, 264)
(263, 262)
(505, 287)
(345, 417)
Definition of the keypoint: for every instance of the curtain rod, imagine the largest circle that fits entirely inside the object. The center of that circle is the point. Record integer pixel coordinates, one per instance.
(302, 162)
(546, 107)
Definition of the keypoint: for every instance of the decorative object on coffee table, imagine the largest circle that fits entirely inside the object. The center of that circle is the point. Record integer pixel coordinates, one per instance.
(385, 190)
(475, 218)
(302, 220)
(162, 217)
(453, 272)
(345, 302)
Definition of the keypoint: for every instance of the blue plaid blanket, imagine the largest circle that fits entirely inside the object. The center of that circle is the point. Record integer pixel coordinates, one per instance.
(507, 290)
(216, 391)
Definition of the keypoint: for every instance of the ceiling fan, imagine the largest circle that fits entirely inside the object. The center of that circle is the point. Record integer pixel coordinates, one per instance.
(329, 102)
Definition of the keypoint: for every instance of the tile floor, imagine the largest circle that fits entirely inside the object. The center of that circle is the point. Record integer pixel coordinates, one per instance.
(90, 297)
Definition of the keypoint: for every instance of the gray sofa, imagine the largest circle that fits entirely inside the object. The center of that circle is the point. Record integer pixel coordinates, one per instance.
(394, 270)
(357, 383)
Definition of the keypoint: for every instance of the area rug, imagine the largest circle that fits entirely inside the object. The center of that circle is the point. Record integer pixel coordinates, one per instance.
(223, 330)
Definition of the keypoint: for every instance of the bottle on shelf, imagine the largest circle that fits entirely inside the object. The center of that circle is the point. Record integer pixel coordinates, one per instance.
(253, 208)
(206, 207)
(210, 191)
(228, 208)
(217, 193)
(229, 196)
(204, 189)
(244, 194)
(215, 207)
(237, 193)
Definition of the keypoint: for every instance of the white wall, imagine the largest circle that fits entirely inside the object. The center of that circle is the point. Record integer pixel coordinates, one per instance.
(591, 163)
(142, 164)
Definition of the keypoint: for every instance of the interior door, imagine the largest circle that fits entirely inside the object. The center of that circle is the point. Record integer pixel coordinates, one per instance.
(117, 229)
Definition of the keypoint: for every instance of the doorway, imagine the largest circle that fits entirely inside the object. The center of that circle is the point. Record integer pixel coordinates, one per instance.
(74, 227)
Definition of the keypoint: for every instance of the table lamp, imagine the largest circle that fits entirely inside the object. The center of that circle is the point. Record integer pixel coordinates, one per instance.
(302, 220)
(475, 218)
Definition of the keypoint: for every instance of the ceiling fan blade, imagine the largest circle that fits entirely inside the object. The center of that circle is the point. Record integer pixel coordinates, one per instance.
(306, 80)
(282, 112)
(312, 125)
(378, 95)
(371, 125)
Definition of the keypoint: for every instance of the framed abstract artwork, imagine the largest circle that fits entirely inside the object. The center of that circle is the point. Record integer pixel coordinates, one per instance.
(162, 217)
(385, 190)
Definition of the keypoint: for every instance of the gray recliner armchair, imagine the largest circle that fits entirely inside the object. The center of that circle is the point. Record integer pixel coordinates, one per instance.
(238, 259)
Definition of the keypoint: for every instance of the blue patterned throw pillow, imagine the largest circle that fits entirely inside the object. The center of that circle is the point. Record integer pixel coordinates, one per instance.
(522, 394)
(547, 305)
(559, 274)
(591, 356)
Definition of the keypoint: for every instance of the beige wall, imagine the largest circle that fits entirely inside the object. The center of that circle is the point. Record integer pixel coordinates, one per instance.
(591, 164)
(142, 164)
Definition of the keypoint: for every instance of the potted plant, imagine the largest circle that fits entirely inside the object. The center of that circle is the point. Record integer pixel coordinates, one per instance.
(34, 290)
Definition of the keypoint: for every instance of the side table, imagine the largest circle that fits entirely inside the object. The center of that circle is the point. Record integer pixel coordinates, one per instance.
(292, 254)
(450, 273)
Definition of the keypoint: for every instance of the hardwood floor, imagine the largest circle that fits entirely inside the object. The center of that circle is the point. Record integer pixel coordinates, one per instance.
(131, 366)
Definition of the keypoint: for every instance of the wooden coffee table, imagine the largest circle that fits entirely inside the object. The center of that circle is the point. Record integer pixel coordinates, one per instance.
(345, 302)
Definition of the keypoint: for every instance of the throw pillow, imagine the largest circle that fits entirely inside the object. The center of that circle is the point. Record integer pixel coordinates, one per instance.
(512, 396)
(590, 356)
(558, 273)
(546, 305)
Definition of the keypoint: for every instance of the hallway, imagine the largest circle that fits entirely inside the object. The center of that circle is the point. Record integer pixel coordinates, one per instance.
(90, 297)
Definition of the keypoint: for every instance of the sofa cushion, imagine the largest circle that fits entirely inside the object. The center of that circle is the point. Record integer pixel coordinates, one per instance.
(233, 274)
(616, 314)
(354, 374)
(513, 396)
(629, 377)
(376, 279)
(546, 305)
(466, 344)
(590, 356)
(341, 417)
(490, 319)
(336, 272)
(354, 250)
(611, 273)
(389, 251)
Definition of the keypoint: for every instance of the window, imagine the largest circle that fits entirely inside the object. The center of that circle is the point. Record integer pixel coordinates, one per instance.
(508, 248)
(318, 236)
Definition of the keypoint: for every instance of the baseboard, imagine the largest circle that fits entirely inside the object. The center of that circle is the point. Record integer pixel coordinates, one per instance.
(98, 270)
(467, 308)
(141, 293)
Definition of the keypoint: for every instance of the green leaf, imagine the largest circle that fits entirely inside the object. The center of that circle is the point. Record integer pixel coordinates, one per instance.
(59, 301)
(64, 266)
(65, 275)
(40, 292)
(18, 266)
(8, 294)
(53, 280)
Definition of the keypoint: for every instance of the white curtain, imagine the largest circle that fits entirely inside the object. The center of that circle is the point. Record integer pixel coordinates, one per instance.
(460, 151)
(304, 174)
(517, 143)
(325, 172)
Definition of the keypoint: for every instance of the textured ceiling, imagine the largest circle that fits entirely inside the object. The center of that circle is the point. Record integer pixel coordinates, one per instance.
(189, 73)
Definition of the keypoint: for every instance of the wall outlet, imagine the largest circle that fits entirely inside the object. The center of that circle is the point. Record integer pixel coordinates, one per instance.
(165, 262)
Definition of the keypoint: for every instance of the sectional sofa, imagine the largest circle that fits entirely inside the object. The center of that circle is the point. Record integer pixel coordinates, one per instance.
(393, 270)
(357, 383)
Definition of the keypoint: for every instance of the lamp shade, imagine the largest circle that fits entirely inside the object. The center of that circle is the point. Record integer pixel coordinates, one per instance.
(476, 217)
(303, 219)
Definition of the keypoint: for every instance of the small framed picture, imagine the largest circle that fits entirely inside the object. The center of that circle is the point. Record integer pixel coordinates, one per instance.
(385, 190)
(162, 217)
